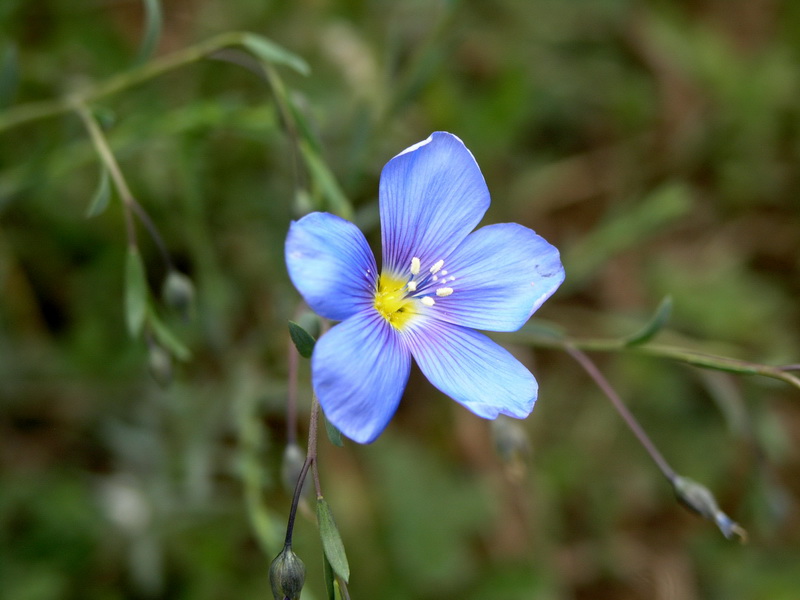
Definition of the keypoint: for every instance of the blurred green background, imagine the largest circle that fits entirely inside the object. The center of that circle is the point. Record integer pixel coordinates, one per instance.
(655, 143)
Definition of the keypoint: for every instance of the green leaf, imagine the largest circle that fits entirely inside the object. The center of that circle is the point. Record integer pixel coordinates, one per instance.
(654, 325)
(330, 581)
(135, 292)
(337, 202)
(272, 53)
(334, 435)
(152, 32)
(303, 341)
(331, 540)
(166, 338)
(101, 195)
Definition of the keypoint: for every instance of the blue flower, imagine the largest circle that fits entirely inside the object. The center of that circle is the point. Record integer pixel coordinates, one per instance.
(439, 282)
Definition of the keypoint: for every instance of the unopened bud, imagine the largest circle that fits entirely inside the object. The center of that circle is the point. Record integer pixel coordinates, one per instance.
(292, 464)
(287, 573)
(178, 292)
(159, 362)
(699, 499)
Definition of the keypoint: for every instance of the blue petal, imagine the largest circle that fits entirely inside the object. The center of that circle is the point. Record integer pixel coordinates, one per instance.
(472, 369)
(431, 196)
(331, 265)
(360, 369)
(502, 274)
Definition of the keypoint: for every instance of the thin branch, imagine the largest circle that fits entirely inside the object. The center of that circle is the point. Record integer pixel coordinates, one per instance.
(684, 355)
(34, 111)
(622, 409)
(109, 160)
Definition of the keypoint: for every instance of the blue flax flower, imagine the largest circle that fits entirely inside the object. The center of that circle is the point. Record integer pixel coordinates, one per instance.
(440, 281)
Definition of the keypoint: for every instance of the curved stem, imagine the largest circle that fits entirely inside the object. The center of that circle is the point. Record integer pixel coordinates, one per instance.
(298, 490)
(309, 463)
(110, 162)
(622, 409)
(51, 108)
(684, 355)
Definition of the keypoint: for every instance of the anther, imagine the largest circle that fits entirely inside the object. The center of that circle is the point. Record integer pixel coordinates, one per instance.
(435, 268)
(412, 286)
(415, 266)
(444, 291)
(428, 301)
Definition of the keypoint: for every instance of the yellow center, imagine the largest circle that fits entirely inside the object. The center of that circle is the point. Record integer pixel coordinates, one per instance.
(392, 302)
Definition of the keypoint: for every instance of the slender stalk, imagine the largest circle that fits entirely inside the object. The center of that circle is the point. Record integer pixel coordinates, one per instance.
(623, 411)
(33, 111)
(309, 463)
(129, 204)
(684, 355)
(298, 490)
(291, 395)
(154, 234)
(110, 162)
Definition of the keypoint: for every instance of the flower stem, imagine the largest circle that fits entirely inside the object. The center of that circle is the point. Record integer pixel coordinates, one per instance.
(298, 490)
(34, 111)
(110, 162)
(684, 355)
(309, 463)
(590, 368)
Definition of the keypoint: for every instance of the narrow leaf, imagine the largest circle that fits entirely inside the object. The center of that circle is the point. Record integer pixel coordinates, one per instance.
(331, 540)
(334, 435)
(330, 581)
(166, 338)
(303, 341)
(654, 325)
(272, 53)
(101, 195)
(154, 20)
(135, 292)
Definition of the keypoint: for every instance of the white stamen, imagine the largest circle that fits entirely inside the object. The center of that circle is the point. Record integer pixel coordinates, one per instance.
(435, 268)
(451, 278)
(444, 272)
(428, 301)
(415, 265)
(445, 291)
(436, 278)
(412, 286)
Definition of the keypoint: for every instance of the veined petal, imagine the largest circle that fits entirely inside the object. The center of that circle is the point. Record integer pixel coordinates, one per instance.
(359, 370)
(431, 196)
(331, 265)
(500, 275)
(472, 369)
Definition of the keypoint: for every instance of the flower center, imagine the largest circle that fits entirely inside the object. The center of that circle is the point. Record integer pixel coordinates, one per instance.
(397, 296)
(392, 301)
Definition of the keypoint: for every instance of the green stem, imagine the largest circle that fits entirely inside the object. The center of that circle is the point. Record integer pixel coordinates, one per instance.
(52, 108)
(110, 162)
(684, 355)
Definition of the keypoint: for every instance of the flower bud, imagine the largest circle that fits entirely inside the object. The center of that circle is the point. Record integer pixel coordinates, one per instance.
(178, 292)
(699, 499)
(287, 573)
